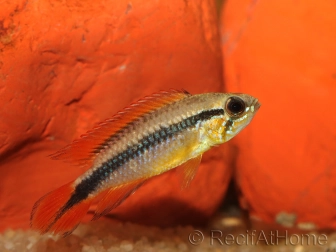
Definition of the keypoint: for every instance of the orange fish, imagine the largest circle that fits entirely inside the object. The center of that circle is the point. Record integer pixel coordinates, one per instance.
(146, 139)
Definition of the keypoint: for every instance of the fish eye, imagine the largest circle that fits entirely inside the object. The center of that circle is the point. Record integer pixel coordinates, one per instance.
(235, 106)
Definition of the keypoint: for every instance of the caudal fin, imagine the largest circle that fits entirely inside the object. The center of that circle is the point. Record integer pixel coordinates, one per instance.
(52, 213)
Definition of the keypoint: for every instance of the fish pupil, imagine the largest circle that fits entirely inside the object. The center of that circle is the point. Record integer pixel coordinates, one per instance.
(235, 106)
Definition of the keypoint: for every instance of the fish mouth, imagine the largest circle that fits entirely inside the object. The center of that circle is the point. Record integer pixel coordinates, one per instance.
(256, 105)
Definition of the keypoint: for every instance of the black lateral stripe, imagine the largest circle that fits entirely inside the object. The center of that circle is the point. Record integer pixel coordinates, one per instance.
(89, 184)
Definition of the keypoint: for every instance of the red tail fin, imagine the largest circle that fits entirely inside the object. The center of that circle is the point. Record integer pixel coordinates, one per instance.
(49, 215)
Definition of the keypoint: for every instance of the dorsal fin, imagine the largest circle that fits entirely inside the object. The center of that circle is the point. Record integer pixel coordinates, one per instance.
(83, 150)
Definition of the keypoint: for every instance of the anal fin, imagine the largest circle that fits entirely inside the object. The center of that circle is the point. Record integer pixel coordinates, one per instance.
(115, 196)
(188, 170)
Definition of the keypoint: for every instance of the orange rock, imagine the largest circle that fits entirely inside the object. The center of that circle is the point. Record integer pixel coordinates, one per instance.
(66, 66)
(283, 52)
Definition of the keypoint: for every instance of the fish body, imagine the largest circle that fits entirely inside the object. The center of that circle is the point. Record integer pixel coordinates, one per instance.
(146, 139)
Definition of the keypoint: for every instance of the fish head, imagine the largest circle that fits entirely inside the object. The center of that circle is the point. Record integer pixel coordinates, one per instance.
(239, 109)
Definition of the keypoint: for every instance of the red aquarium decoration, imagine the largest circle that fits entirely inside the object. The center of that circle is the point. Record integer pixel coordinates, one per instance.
(66, 66)
(284, 53)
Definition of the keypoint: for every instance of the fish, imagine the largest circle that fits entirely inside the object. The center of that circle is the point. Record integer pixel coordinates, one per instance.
(166, 130)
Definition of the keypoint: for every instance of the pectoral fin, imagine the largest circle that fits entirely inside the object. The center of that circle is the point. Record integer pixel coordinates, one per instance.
(188, 170)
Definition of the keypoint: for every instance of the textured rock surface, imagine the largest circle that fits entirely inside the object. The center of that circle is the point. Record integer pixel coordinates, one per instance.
(284, 53)
(64, 66)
